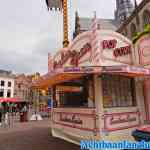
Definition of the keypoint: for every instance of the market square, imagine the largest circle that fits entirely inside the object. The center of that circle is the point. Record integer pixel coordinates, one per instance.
(89, 81)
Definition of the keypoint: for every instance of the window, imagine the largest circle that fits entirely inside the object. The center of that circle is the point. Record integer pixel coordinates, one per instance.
(9, 84)
(8, 93)
(19, 85)
(118, 91)
(146, 17)
(78, 93)
(2, 83)
(1, 92)
(69, 98)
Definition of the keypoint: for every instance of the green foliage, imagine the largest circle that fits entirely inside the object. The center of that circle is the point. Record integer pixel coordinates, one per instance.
(138, 35)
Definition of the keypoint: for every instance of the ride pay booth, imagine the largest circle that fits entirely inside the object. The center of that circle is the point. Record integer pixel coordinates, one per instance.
(142, 47)
(95, 89)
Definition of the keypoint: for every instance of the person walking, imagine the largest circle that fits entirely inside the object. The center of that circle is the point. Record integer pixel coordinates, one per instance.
(23, 114)
(1, 109)
(0, 116)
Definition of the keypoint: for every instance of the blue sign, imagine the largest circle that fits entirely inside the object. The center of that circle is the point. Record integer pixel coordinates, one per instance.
(50, 103)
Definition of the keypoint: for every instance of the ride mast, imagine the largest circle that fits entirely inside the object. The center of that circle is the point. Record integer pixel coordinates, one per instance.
(60, 5)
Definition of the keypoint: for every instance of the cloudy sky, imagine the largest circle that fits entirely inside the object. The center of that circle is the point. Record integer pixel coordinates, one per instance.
(28, 32)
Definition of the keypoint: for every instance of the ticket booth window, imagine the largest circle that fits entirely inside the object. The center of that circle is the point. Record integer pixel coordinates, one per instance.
(118, 91)
(77, 93)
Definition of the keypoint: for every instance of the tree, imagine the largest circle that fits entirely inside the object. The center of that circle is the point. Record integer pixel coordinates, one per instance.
(138, 35)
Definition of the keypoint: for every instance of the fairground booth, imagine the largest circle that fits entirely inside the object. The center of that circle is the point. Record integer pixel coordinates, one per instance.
(142, 54)
(97, 88)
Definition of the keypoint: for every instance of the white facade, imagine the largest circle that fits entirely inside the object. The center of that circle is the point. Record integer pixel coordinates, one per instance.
(6, 89)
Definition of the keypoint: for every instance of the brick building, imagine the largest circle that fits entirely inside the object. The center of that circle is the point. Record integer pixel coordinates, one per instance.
(22, 87)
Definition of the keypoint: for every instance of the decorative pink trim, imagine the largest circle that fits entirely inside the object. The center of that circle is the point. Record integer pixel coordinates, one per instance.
(76, 127)
(106, 58)
(140, 51)
(88, 34)
(122, 113)
(81, 114)
(82, 36)
(93, 116)
(120, 128)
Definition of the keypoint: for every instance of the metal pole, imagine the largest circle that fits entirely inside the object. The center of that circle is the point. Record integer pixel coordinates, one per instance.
(65, 23)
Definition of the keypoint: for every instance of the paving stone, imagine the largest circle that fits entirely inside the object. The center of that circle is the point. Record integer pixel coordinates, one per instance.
(32, 136)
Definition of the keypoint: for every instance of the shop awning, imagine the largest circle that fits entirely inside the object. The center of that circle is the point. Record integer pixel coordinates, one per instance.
(69, 88)
(130, 71)
(56, 79)
(9, 100)
(76, 73)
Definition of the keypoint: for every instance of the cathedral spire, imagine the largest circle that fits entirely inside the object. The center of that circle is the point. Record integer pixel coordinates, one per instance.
(137, 15)
(77, 23)
(135, 4)
(124, 8)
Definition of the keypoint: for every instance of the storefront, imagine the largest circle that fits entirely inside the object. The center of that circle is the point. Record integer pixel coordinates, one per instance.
(96, 90)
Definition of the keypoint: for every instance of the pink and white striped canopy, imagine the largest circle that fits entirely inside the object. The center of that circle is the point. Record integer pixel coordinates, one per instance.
(9, 100)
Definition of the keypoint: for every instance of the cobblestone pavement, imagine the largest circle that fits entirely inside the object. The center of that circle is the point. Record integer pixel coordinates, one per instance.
(32, 136)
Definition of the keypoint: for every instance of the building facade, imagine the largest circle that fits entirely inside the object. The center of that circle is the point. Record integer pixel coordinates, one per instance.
(124, 8)
(129, 19)
(22, 87)
(137, 20)
(6, 84)
(83, 24)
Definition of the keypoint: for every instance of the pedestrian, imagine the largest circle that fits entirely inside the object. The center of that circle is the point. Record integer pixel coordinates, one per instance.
(6, 118)
(23, 114)
(0, 117)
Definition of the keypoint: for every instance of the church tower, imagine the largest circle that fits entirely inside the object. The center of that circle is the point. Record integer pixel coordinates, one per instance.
(124, 8)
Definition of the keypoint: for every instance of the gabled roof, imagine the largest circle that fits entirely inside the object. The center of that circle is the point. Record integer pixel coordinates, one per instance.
(133, 15)
(109, 24)
(6, 74)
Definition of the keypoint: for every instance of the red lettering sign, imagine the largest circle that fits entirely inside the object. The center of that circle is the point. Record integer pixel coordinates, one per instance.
(109, 44)
(74, 56)
(122, 51)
